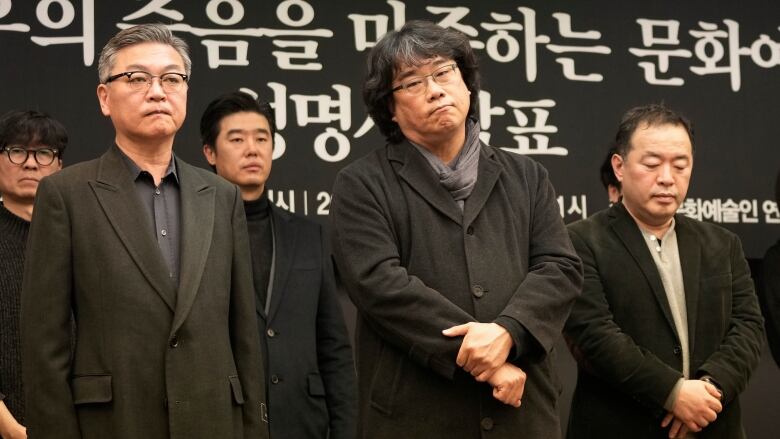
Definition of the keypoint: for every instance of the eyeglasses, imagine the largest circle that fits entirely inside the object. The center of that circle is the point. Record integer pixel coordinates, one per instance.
(443, 75)
(18, 155)
(141, 81)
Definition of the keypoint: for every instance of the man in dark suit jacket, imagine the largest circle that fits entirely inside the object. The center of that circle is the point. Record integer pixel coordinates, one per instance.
(454, 254)
(311, 393)
(667, 330)
(149, 256)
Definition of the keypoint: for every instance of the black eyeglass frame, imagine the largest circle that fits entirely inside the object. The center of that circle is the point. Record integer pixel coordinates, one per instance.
(7, 149)
(112, 78)
(403, 86)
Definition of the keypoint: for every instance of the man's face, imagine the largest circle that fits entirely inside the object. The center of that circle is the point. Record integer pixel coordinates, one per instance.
(18, 183)
(144, 115)
(437, 113)
(656, 173)
(244, 150)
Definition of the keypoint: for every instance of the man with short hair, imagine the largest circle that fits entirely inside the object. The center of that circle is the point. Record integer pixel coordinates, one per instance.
(454, 254)
(311, 393)
(150, 256)
(31, 147)
(608, 178)
(667, 330)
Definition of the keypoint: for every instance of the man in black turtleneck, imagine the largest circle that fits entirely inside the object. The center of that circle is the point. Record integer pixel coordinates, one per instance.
(311, 390)
(31, 146)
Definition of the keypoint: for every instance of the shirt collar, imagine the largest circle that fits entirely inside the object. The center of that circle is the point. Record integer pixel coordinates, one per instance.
(135, 170)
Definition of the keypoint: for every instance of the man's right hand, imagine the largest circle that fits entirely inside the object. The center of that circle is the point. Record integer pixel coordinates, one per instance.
(9, 428)
(508, 384)
(697, 404)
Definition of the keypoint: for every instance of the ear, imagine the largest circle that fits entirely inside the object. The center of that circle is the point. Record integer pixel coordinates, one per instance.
(617, 166)
(211, 155)
(102, 94)
(59, 163)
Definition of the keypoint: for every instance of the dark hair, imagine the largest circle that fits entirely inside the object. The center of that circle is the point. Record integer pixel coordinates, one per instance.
(227, 104)
(607, 173)
(650, 115)
(29, 128)
(414, 44)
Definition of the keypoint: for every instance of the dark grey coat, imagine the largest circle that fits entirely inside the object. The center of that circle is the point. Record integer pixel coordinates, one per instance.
(312, 391)
(622, 333)
(150, 361)
(414, 264)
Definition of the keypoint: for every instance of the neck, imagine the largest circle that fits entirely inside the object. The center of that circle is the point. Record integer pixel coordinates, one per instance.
(21, 209)
(446, 149)
(658, 230)
(149, 156)
(251, 193)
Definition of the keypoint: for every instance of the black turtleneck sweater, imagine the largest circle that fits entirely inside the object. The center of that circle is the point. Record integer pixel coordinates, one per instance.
(13, 238)
(258, 220)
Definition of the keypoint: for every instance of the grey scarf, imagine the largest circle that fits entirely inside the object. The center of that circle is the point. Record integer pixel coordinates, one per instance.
(460, 176)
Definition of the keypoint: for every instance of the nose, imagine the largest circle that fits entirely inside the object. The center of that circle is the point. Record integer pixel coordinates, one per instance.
(30, 163)
(433, 89)
(665, 174)
(156, 91)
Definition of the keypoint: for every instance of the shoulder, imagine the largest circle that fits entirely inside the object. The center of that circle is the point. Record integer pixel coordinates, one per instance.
(76, 172)
(515, 163)
(366, 166)
(596, 223)
(707, 233)
(296, 220)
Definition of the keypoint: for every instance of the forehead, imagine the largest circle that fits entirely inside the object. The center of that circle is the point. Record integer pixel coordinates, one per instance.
(405, 68)
(660, 139)
(244, 121)
(149, 54)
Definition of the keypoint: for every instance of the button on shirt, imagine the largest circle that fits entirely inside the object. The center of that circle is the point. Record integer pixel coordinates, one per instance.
(162, 204)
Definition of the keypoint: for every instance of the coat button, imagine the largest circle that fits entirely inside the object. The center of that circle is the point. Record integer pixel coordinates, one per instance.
(487, 424)
(478, 291)
(470, 230)
(677, 350)
(271, 333)
(274, 379)
(174, 343)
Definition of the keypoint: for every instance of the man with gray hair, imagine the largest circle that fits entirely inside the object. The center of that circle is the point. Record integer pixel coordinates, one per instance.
(150, 256)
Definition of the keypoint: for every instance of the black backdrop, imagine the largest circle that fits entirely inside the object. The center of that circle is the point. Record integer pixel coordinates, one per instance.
(556, 76)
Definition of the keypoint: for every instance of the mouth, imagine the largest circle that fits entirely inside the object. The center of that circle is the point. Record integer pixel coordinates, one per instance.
(253, 168)
(440, 108)
(666, 198)
(158, 112)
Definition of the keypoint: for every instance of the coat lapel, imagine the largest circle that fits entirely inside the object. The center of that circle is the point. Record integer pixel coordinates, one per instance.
(690, 261)
(489, 171)
(284, 248)
(116, 193)
(197, 223)
(628, 232)
(419, 175)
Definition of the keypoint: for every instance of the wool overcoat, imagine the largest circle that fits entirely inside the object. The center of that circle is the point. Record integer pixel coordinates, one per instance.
(414, 264)
(150, 360)
(623, 336)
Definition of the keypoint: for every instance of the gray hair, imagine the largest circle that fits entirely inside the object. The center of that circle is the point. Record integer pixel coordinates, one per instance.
(143, 33)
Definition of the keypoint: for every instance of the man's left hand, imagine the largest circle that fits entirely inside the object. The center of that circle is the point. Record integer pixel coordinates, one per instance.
(484, 349)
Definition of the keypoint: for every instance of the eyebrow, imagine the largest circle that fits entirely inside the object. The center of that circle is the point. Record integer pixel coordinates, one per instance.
(240, 131)
(167, 68)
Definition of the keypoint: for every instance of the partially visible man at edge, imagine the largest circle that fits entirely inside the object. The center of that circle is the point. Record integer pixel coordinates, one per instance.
(31, 147)
(454, 254)
(150, 255)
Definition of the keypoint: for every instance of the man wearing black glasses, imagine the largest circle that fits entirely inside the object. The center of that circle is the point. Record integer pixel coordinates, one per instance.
(150, 255)
(454, 254)
(31, 147)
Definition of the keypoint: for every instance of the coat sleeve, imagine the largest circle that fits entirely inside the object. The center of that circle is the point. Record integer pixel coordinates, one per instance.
(601, 347)
(738, 354)
(397, 305)
(46, 319)
(542, 302)
(334, 355)
(244, 330)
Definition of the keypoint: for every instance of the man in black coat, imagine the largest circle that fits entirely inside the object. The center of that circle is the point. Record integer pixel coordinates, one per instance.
(667, 330)
(311, 389)
(454, 254)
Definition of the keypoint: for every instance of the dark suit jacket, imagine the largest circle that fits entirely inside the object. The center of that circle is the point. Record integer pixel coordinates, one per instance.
(622, 334)
(150, 361)
(770, 293)
(414, 264)
(310, 367)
